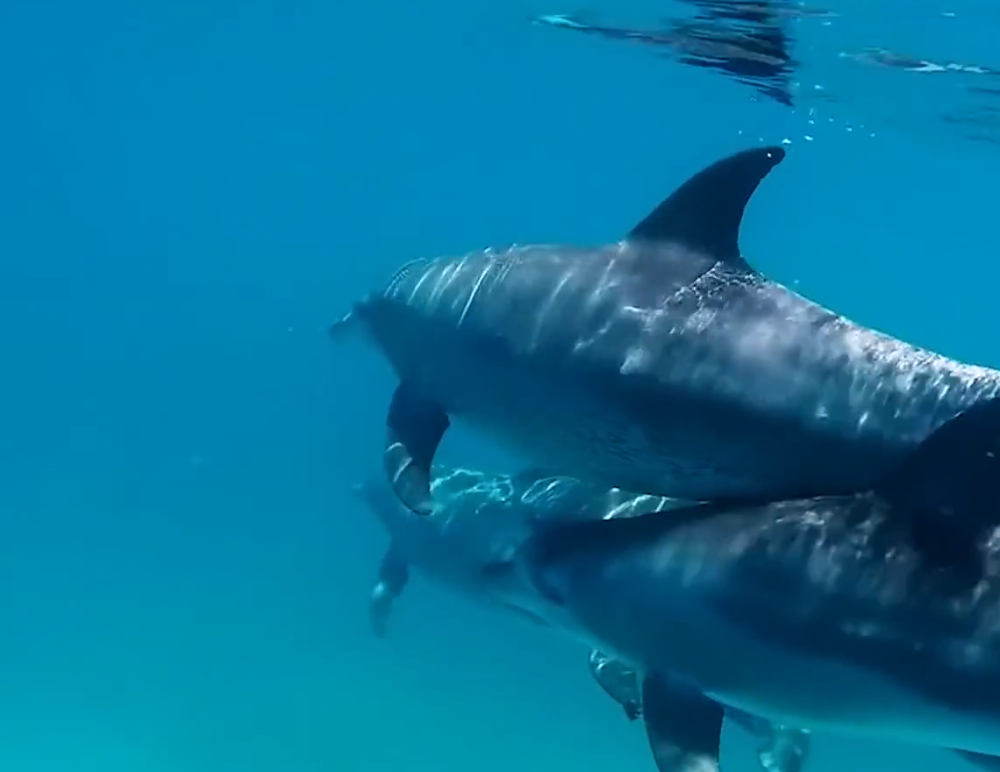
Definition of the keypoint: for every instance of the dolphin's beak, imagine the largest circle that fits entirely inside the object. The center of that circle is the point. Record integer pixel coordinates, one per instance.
(340, 328)
(365, 491)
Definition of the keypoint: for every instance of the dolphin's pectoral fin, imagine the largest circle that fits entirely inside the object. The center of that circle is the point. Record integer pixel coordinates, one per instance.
(393, 574)
(981, 760)
(557, 543)
(782, 749)
(530, 616)
(953, 476)
(414, 428)
(705, 213)
(340, 328)
(618, 680)
(684, 727)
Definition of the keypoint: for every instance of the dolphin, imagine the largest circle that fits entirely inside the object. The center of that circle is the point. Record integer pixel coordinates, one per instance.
(859, 614)
(683, 712)
(779, 749)
(483, 518)
(663, 363)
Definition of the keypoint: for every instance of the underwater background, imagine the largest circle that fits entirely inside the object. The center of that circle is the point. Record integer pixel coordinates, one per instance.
(191, 192)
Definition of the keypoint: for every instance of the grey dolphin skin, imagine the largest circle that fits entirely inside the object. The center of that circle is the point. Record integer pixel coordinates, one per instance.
(664, 363)
(482, 518)
(779, 749)
(686, 729)
(858, 614)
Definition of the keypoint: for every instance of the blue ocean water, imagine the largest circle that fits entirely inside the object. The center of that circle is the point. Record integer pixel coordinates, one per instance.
(190, 192)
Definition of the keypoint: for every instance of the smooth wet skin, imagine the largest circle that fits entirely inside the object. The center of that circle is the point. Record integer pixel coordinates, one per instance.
(484, 520)
(686, 732)
(480, 522)
(862, 614)
(663, 363)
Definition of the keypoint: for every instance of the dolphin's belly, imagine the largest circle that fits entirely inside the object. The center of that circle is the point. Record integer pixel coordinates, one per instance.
(671, 440)
(818, 694)
(572, 432)
(680, 448)
(675, 632)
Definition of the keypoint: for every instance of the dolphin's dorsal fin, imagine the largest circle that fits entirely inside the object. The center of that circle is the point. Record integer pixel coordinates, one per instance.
(948, 490)
(705, 213)
(954, 475)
